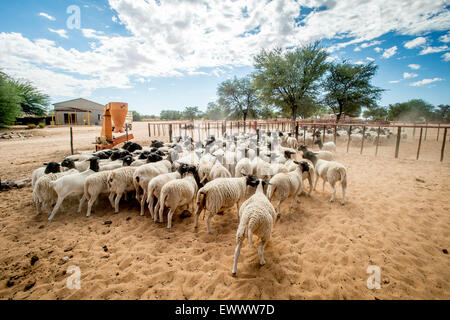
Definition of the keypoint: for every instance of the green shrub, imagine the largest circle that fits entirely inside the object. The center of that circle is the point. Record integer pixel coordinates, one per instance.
(42, 125)
(31, 126)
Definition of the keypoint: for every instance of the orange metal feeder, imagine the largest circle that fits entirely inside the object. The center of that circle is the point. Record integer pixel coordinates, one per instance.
(114, 112)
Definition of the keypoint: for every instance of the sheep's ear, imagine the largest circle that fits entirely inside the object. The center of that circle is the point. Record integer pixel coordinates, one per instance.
(243, 173)
(296, 162)
(46, 163)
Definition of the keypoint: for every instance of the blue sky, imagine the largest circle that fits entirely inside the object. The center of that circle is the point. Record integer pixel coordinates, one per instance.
(159, 55)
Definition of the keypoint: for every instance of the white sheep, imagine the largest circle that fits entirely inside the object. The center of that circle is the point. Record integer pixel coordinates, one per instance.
(285, 185)
(178, 193)
(120, 182)
(43, 192)
(243, 167)
(322, 154)
(51, 167)
(218, 195)
(330, 171)
(154, 191)
(327, 146)
(72, 185)
(95, 185)
(218, 171)
(256, 216)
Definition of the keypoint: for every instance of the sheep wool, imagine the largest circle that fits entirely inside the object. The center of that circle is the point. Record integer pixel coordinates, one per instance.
(257, 216)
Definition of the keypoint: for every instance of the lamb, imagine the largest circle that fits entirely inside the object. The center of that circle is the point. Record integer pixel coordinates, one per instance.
(145, 173)
(327, 146)
(179, 193)
(51, 167)
(154, 190)
(95, 185)
(120, 181)
(218, 171)
(44, 194)
(291, 142)
(285, 185)
(322, 154)
(256, 216)
(220, 194)
(72, 184)
(330, 171)
(243, 167)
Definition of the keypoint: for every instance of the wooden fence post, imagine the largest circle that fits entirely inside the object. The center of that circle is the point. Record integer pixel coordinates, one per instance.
(378, 141)
(149, 132)
(397, 144)
(362, 141)
(439, 127)
(71, 141)
(323, 134)
(296, 131)
(304, 136)
(170, 132)
(426, 131)
(349, 137)
(420, 143)
(443, 144)
(414, 130)
(126, 131)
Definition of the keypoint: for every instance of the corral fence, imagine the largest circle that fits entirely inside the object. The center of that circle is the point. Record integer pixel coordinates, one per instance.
(409, 140)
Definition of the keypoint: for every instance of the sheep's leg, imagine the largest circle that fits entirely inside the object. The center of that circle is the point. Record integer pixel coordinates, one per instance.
(117, 201)
(197, 213)
(47, 208)
(237, 209)
(343, 193)
(310, 185)
(91, 202)
(143, 205)
(38, 206)
(261, 254)
(169, 219)
(82, 200)
(156, 210)
(208, 222)
(151, 202)
(323, 185)
(111, 199)
(334, 192)
(161, 212)
(316, 179)
(236, 257)
(292, 203)
(56, 208)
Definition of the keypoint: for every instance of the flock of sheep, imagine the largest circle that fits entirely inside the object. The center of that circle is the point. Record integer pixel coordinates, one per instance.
(247, 170)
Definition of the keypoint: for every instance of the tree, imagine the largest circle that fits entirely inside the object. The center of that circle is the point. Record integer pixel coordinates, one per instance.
(136, 116)
(411, 111)
(192, 113)
(290, 79)
(215, 111)
(442, 113)
(268, 112)
(170, 115)
(376, 113)
(10, 99)
(348, 88)
(239, 98)
(33, 101)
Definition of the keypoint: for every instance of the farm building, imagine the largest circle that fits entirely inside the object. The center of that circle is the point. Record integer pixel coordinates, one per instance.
(78, 112)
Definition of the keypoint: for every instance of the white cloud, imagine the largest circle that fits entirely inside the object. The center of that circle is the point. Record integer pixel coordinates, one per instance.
(114, 19)
(395, 81)
(60, 32)
(425, 81)
(45, 15)
(370, 59)
(389, 52)
(151, 89)
(415, 42)
(414, 66)
(357, 49)
(446, 56)
(407, 75)
(445, 38)
(175, 38)
(428, 50)
(370, 44)
(359, 62)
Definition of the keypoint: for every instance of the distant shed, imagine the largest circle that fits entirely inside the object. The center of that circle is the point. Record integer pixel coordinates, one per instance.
(78, 112)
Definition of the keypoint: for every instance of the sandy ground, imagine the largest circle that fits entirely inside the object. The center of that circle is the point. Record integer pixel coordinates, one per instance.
(396, 217)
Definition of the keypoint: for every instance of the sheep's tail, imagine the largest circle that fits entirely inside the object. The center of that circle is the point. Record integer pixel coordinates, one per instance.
(343, 174)
(270, 191)
(162, 201)
(250, 236)
(201, 201)
(242, 228)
